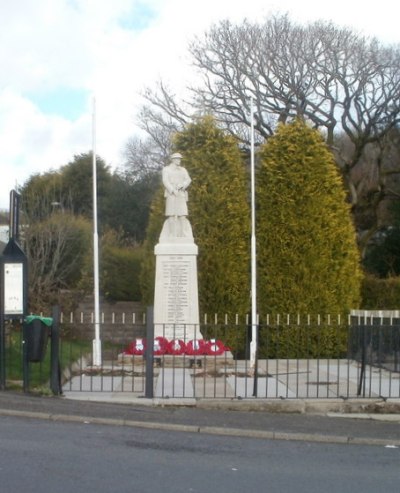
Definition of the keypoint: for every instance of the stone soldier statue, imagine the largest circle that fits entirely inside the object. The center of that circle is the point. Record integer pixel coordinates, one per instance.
(176, 180)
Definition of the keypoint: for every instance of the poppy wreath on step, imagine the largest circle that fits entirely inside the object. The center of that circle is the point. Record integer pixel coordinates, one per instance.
(215, 347)
(160, 346)
(137, 347)
(176, 347)
(195, 347)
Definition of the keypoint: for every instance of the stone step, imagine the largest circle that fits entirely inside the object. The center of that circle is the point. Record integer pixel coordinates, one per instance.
(174, 382)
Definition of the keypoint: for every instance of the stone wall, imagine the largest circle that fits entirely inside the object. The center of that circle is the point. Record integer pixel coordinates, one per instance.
(120, 322)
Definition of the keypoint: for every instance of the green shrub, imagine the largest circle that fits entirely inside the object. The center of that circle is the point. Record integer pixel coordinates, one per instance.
(306, 341)
(380, 294)
(120, 273)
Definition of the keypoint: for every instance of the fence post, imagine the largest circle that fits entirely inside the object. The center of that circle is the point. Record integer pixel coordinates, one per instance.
(55, 371)
(361, 383)
(25, 362)
(255, 334)
(2, 353)
(149, 386)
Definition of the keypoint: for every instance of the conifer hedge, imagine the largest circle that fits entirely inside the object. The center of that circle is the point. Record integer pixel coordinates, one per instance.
(308, 260)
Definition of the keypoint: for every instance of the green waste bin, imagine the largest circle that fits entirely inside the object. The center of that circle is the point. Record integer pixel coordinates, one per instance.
(37, 331)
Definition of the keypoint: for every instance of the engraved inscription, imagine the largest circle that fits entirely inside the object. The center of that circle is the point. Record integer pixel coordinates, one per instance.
(176, 311)
(175, 279)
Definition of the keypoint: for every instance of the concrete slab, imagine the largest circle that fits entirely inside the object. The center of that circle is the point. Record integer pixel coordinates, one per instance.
(174, 382)
(266, 387)
(210, 387)
(93, 383)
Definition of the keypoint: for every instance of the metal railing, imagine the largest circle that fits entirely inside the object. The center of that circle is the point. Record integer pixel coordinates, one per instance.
(297, 357)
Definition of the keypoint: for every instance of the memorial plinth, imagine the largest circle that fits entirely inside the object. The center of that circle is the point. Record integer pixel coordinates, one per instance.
(176, 305)
(176, 300)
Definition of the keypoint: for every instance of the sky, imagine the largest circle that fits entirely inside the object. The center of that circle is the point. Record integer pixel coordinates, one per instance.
(59, 56)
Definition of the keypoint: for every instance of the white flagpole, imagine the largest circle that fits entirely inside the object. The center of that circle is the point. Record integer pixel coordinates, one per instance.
(96, 341)
(254, 316)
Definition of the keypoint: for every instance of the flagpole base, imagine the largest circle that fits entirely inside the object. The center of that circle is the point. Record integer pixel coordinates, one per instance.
(97, 352)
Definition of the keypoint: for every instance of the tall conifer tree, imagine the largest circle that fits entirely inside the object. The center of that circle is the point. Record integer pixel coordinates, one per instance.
(307, 253)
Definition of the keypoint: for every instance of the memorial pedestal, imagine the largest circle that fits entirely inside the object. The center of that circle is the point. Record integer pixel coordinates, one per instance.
(176, 305)
(209, 363)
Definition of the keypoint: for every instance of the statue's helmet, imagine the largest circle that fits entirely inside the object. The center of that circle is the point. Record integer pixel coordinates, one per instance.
(176, 155)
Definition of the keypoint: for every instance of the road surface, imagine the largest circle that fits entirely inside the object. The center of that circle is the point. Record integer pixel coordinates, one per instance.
(44, 456)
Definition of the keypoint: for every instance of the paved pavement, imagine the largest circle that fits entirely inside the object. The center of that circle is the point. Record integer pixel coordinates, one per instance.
(224, 378)
(368, 421)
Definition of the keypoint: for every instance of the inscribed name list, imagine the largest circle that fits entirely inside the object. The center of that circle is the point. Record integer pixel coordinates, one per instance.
(175, 279)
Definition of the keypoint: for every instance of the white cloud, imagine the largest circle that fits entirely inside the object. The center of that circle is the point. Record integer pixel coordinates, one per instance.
(113, 49)
(32, 142)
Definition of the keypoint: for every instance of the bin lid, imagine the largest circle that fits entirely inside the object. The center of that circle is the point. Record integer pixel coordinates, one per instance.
(46, 320)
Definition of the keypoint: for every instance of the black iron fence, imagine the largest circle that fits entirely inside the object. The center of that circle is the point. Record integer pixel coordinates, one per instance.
(297, 357)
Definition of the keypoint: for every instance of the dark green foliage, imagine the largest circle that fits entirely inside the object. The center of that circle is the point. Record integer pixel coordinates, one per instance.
(77, 184)
(303, 340)
(383, 257)
(307, 254)
(119, 268)
(120, 271)
(129, 205)
(41, 196)
(123, 203)
(380, 294)
(143, 192)
(69, 189)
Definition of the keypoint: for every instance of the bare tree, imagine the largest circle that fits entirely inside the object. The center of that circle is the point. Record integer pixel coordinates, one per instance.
(56, 248)
(339, 81)
(143, 157)
(330, 76)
